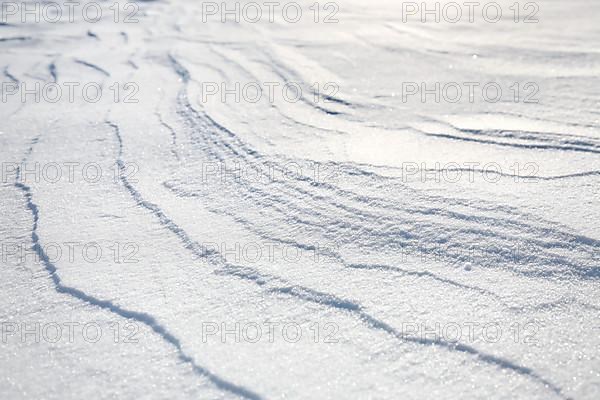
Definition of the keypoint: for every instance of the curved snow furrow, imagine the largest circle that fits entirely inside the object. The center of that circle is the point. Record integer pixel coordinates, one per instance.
(173, 133)
(93, 66)
(356, 167)
(284, 74)
(336, 256)
(273, 105)
(441, 233)
(262, 279)
(52, 71)
(551, 228)
(552, 138)
(324, 222)
(399, 239)
(132, 64)
(191, 113)
(286, 79)
(16, 39)
(323, 299)
(206, 65)
(364, 202)
(289, 77)
(157, 211)
(572, 148)
(14, 79)
(278, 285)
(303, 124)
(356, 310)
(179, 69)
(141, 317)
(558, 239)
(529, 117)
(9, 75)
(486, 358)
(528, 135)
(444, 235)
(92, 35)
(291, 217)
(202, 123)
(391, 230)
(198, 119)
(187, 111)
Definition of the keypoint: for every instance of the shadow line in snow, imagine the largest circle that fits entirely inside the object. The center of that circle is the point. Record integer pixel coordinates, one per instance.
(140, 317)
(275, 284)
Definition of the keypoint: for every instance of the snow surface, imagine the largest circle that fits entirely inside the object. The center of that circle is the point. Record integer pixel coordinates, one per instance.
(394, 250)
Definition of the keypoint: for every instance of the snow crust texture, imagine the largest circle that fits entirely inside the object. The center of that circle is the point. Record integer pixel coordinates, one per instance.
(344, 203)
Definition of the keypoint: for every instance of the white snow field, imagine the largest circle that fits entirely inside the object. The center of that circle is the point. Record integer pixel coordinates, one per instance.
(357, 205)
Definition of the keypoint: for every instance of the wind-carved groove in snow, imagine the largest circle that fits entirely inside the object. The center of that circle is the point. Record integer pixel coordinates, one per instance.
(540, 238)
(507, 144)
(532, 178)
(284, 74)
(355, 309)
(92, 35)
(336, 255)
(488, 225)
(567, 241)
(279, 285)
(140, 317)
(173, 133)
(274, 105)
(516, 138)
(546, 119)
(287, 75)
(189, 244)
(408, 240)
(52, 71)
(531, 139)
(93, 66)
(310, 103)
(564, 143)
(14, 79)
(9, 75)
(15, 39)
(464, 218)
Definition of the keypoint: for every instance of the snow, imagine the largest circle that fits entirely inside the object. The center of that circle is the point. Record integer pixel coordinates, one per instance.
(373, 245)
